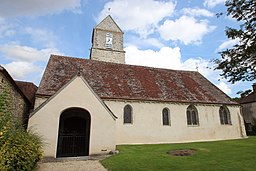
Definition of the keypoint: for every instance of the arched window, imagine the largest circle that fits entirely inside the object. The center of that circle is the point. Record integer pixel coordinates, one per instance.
(192, 115)
(128, 114)
(166, 116)
(224, 116)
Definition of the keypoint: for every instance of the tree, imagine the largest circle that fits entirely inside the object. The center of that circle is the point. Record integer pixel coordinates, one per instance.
(239, 62)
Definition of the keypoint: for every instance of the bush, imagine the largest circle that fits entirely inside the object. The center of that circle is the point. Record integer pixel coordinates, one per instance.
(21, 151)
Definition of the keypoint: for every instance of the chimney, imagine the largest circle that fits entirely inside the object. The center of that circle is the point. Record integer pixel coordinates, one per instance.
(242, 95)
(254, 87)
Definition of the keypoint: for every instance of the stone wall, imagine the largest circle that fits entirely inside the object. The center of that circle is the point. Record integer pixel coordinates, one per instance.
(249, 112)
(19, 107)
(249, 115)
(101, 53)
(111, 52)
(108, 56)
(99, 39)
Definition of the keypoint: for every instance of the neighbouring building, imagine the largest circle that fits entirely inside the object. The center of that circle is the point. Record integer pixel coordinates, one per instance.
(21, 95)
(248, 104)
(88, 106)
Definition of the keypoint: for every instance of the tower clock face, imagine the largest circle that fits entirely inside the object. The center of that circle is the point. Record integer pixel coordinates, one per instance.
(109, 39)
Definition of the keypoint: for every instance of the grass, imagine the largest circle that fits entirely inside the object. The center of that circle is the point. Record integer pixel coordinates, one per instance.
(219, 155)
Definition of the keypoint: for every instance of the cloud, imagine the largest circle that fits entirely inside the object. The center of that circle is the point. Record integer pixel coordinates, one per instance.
(199, 64)
(19, 70)
(166, 57)
(25, 53)
(14, 8)
(186, 29)
(6, 30)
(139, 16)
(227, 44)
(213, 3)
(141, 42)
(196, 12)
(25, 62)
(42, 36)
(224, 87)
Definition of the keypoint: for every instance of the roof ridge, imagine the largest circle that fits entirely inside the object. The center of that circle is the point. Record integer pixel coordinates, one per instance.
(27, 82)
(112, 63)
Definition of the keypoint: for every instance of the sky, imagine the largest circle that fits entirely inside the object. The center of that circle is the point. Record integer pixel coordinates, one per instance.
(172, 34)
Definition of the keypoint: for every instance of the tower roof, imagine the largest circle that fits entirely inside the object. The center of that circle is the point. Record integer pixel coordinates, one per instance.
(108, 24)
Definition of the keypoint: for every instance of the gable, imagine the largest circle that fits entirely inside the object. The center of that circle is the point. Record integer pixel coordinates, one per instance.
(108, 24)
(129, 82)
(76, 93)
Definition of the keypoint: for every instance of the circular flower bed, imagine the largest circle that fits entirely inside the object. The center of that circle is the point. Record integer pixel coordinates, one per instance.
(183, 152)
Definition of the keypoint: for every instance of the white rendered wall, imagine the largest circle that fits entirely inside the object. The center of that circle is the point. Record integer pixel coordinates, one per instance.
(147, 124)
(45, 121)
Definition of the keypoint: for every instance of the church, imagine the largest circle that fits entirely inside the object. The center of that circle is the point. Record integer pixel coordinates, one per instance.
(85, 107)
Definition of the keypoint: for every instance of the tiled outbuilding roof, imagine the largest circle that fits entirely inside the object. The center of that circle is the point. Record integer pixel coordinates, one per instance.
(29, 90)
(249, 98)
(129, 82)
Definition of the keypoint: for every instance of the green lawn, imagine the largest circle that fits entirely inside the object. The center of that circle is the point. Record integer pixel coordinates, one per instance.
(219, 155)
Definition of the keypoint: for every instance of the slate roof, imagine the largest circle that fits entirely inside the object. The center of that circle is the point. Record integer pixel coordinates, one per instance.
(129, 82)
(29, 90)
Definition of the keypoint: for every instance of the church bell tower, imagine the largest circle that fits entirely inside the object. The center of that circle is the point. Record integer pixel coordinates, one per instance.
(107, 42)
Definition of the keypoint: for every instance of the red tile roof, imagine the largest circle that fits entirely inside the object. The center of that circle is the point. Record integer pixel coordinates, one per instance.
(249, 98)
(120, 81)
(29, 90)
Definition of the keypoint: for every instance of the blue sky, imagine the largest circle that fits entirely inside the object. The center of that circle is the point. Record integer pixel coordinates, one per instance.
(184, 35)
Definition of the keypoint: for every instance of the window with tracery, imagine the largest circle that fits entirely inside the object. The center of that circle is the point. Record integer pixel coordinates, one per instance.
(224, 116)
(192, 115)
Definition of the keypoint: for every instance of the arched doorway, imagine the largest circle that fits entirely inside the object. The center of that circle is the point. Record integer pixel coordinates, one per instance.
(74, 133)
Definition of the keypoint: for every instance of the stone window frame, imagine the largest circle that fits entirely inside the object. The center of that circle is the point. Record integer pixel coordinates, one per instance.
(128, 114)
(166, 117)
(192, 116)
(224, 113)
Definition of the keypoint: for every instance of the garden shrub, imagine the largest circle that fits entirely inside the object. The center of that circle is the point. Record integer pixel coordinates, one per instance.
(19, 150)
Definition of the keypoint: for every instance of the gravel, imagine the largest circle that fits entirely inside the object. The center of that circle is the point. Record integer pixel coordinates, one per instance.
(72, 163)
(87, 165)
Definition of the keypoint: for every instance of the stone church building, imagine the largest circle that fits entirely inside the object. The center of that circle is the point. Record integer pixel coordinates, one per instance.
(88, 106)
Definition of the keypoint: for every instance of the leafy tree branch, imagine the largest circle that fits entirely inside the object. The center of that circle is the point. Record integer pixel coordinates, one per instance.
(239, 62)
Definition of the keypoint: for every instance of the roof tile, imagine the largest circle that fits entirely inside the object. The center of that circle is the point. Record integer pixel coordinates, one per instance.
(29, 89)
(120, 81)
